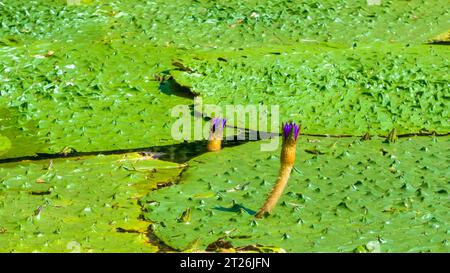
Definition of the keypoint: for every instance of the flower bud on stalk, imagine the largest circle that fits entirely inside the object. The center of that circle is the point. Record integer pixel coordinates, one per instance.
(287, 159)
(215, 134)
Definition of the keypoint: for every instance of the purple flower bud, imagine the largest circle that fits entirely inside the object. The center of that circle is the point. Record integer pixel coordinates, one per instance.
(217, 125)
(290, 129)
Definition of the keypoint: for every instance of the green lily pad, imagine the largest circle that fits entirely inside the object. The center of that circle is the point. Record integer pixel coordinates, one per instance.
(5, 144)
(90, 96)
(355, 194)
(104, 75)
(229, 24)
(87, 79)
(84, 204)
(330, 90)
(241, 24)
(46, 18)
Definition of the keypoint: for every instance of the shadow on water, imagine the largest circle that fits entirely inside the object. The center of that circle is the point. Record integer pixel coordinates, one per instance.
(439, 43)
(183, 152)
(236, 208)
(178, 153)
(171, 87)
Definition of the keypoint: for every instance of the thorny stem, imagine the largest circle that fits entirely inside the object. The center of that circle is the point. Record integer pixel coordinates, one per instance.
(288, 153)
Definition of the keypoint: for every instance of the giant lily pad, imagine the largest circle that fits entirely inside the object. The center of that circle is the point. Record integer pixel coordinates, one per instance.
(90, 96)
(5, 144)
(331, 90)
(22, 20)
(240, 24)
(86, 204)
(345, 195)
(229, 24)
(83, 75)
